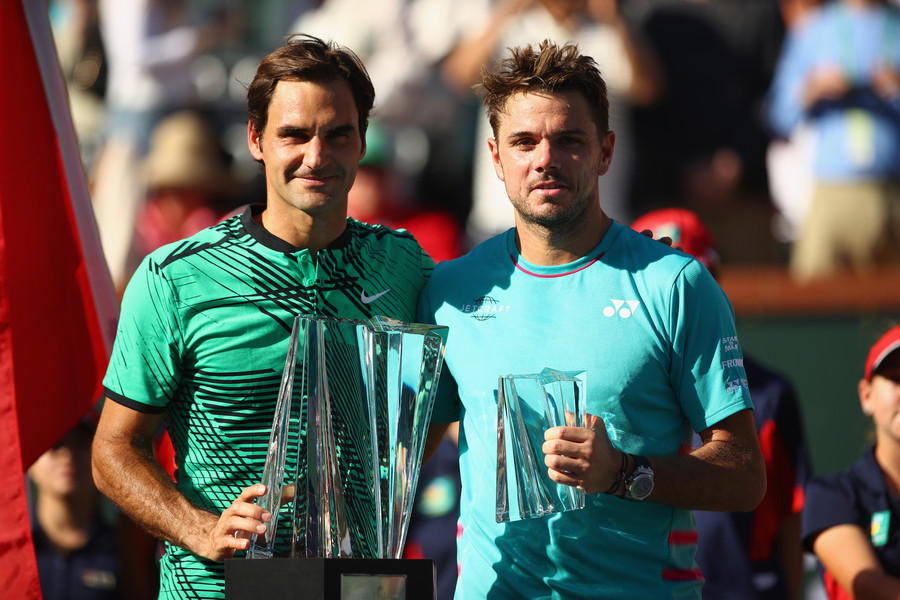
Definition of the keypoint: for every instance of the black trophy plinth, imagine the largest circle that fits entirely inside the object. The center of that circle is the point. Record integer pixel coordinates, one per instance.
(329, 578)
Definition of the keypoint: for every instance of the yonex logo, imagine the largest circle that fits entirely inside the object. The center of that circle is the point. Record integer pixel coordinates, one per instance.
(736, 384)
(624, 308)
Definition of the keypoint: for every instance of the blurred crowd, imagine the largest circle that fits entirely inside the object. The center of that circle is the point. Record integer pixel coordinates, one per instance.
(157, 90)
(776, 121)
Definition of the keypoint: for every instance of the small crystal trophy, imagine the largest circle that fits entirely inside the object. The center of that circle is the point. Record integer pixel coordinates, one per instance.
(527, 406)
(347, 440)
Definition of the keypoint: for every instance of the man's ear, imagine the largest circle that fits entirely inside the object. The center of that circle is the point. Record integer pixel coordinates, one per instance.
(254, 141)
(607, 145)
(495, 157)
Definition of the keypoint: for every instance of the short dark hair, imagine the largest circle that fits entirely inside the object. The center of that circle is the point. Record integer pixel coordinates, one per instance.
(549, 69)
(308, 58)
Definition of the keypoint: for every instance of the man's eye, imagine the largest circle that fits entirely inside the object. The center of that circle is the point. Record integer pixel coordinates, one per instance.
(296, 138)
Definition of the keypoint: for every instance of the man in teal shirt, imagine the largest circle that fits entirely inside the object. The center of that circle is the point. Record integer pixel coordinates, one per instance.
(570, 289)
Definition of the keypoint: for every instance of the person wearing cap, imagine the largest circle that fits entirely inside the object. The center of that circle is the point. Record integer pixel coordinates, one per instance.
(189, 184)
(380, 195)
(206, 321)
(851, 520)
(750, 555)
(570, 289)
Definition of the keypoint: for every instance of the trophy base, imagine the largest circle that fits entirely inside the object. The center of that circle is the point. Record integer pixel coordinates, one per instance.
(330, 578)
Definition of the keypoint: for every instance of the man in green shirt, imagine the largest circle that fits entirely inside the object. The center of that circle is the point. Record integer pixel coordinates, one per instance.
(205, 321)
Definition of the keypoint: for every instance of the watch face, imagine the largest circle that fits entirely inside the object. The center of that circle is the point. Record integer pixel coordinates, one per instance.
(641, 486)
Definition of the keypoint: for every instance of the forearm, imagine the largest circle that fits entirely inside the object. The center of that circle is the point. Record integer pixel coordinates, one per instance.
(130, 476)
(727, 473)
(790, 554)
(462, 67)
(876, 585)
(646, 72)
(720, 476)
(434, 438)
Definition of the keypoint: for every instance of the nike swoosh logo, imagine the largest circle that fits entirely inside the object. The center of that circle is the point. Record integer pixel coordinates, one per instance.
(369, 299)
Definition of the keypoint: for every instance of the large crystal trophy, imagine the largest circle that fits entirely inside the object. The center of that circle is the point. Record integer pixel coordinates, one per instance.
(527, 406)
(348, 436)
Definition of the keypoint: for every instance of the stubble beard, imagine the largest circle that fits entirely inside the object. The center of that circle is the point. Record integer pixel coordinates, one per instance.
(557, 222)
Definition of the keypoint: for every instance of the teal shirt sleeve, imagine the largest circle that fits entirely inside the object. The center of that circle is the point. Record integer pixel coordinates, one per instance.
(708, 366)
(143, 372)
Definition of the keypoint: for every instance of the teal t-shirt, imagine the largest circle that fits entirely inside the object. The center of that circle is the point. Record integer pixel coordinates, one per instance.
(655, 336)
(203, 336)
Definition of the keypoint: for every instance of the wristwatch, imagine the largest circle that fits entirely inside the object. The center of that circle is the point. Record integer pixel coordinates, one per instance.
(640, 483)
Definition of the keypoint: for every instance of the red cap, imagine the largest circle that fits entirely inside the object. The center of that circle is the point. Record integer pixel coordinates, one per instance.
(686, 230)
(889, 342)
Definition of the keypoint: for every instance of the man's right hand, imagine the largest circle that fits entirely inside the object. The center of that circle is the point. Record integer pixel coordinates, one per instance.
(126, 471)
(236, 524)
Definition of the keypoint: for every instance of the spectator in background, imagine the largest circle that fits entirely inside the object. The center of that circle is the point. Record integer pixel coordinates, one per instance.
(76, 33)
(434, 522)
(847, 521)
(750, 555)
(839, 77)
(150, 48)
(75, 544)
(628, 66)
(789, 159)
(381, 196)
(702, 145)
(403, 44)
(189, 186)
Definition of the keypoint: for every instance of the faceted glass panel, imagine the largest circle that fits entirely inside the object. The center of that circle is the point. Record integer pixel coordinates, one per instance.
(527, 406)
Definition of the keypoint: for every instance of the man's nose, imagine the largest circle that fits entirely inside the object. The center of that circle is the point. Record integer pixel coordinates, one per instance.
(545, 156)
(314, 153)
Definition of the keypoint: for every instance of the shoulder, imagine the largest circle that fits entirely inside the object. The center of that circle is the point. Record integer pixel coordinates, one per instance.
(459, 281)
(205, 240)
(847, 497)
(650, 260)
(395, 249)
(483, 258)
(369, 231)
(862, 479)
(380, 238)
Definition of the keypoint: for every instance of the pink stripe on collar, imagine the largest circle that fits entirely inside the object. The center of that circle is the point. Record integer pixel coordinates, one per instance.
(533, 274)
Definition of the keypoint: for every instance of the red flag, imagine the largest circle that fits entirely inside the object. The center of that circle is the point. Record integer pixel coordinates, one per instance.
(57, 304)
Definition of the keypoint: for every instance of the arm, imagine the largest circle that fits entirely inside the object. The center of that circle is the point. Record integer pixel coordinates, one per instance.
(435, 436)
(846, 552)
(824, 84)
(725, 473)
(462, 67)
(789, 549)
(126, 472)
(646, 72)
